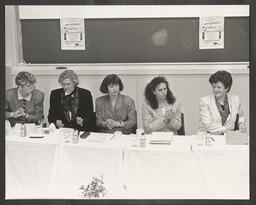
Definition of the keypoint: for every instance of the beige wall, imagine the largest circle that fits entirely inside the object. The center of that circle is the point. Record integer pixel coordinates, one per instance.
(11, 43)
(188, 88)
(8, 78)
(8, 49)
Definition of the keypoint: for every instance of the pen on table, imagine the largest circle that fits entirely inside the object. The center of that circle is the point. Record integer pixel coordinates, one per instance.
(212, 139)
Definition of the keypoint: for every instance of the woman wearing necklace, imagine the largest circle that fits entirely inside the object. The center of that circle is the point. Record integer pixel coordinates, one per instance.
(160, 111)
(218, 112)
(71, 106)
(114, 111)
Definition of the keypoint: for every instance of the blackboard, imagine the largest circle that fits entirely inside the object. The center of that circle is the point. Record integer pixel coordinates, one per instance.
(134, 41)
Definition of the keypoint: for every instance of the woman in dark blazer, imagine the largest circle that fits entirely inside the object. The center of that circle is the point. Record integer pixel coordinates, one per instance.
(71, 106)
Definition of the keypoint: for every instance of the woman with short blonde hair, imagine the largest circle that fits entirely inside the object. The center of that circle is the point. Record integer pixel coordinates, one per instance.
(24, 103)
(71, 106)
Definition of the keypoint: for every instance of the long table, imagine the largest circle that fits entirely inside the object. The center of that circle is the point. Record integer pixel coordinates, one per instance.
(218, 171)
(53, 167)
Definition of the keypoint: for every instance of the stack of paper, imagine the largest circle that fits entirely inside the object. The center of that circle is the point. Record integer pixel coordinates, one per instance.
(236, 138)
(161, 138)
(98, 137)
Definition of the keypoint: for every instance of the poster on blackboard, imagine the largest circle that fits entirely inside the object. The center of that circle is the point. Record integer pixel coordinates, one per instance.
(72, 34)
(211, 32)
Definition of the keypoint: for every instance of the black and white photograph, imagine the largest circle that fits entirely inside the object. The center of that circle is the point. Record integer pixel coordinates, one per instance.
(127, 101)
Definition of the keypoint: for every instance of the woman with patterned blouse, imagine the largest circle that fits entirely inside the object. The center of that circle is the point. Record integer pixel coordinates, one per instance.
(218, 112)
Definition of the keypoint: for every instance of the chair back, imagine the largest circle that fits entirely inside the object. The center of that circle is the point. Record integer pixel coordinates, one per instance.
(135, 126)
(236, 122)
(93, 125)
(181, 131)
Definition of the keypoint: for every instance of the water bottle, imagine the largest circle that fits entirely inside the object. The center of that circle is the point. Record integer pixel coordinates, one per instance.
(142, 140)
(136, 138)
(23, 130)
(208, 140)
(200, 140)
(75, 136)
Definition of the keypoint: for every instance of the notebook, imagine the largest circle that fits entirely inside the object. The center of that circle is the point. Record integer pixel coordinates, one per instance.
(161, 138)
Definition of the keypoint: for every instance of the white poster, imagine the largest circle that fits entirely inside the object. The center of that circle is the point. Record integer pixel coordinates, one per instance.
(72, 34)
(211, 32)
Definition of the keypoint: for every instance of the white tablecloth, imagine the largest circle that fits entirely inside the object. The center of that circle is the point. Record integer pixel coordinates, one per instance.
(162, 171)
(54, 168)
(78, 163)
(29, 165)
(218, 171)
(224, 170)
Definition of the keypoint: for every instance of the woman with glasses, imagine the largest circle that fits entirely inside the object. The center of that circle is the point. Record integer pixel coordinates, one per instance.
(24, 103)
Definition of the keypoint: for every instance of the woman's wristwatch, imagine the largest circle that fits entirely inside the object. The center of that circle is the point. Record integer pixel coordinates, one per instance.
(240, 123)
(26, 115)
(121, 124)
(167, 121)
(11, 114)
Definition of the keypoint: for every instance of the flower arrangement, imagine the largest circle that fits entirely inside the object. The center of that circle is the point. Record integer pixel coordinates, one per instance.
(95, 189)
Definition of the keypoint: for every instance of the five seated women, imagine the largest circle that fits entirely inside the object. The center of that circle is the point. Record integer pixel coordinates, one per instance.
(71, 106)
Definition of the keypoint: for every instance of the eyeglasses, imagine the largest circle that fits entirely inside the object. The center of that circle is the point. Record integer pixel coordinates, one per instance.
(28, 85)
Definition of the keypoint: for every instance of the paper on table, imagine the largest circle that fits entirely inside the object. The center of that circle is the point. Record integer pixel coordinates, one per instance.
(7, 124)
(98, 137)
(236, 138)
(161, 138)
(217, 140)
(66, 132)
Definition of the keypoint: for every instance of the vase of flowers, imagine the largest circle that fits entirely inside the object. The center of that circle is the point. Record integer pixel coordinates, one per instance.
(95, 189)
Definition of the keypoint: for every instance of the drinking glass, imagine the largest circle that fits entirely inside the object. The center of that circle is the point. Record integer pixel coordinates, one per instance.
(200, 140)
